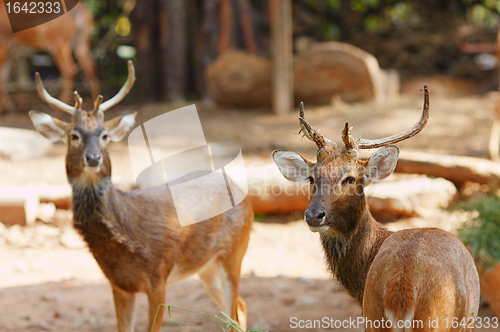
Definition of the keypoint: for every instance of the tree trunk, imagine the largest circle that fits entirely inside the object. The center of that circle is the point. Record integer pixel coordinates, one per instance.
(174, 49)
(146, 42)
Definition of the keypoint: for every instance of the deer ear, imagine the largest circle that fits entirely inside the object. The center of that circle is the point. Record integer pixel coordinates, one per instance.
(381, 164)
(49, 127)
(292, 165)
(119, 126)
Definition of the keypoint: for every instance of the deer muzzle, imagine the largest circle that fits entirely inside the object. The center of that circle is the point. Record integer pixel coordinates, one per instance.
(315, 218)
(93, 159)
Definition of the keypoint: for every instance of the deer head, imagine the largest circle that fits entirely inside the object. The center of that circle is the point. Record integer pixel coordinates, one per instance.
(87, 135)
(338, 178)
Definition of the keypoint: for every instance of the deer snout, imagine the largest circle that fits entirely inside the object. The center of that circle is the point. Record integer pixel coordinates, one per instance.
(93, 159)
(315, 219)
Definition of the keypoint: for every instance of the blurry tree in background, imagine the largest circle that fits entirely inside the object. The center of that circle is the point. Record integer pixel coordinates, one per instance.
(176, 39)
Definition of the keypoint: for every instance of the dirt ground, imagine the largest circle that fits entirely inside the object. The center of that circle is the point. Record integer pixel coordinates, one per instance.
(50, 283)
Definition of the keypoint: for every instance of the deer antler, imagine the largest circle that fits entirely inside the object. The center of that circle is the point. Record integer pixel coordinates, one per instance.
(361, 143)
(312, 133)
(97, 102)
(123, 91)
(78, 100)
(51, 100)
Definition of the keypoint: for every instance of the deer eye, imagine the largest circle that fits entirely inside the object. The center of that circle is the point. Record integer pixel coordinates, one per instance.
(105, 137)
(349, 180)
(311, 180)
(73, 137)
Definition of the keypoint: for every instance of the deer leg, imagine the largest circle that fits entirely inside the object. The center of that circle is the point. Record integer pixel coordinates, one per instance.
(82, 53)
(156, 299)
(211, 280)
(230, 275)
(68, 69)
(125, 309)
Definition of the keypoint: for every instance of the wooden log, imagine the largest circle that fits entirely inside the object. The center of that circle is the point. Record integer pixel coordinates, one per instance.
(59, 195)
(269, 192)
(457, 169)
(400, 195)
(18, 205)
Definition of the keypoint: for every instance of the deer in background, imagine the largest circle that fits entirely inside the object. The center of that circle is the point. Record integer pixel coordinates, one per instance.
(60, 37)
(135, 236)
(415, 274)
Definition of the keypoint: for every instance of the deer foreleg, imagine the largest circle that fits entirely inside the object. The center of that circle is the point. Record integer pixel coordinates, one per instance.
(125, 309)
(156, 299)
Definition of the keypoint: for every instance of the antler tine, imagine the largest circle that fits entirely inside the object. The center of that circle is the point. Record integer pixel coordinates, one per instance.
(98, 102)
(42, 92)
(78, 100)
(123, 91)
(312, 133)
(349, 142)
(371, 144)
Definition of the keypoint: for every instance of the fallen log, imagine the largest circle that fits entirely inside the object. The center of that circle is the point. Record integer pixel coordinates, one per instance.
(269, 192)
(18, 205)
(457, 169)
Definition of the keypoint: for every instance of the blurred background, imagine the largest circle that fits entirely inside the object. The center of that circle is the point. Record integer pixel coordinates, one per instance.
(175, 43)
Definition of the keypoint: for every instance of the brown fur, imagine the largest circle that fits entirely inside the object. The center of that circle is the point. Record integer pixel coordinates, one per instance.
(136, 237)
(416, 274)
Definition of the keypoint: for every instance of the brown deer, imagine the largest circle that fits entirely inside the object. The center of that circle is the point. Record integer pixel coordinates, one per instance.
(398, 278)
(61, 36)
(135, 236)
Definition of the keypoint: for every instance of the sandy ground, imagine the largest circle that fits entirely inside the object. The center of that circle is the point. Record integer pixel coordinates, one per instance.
(46, 286)
(61, 289)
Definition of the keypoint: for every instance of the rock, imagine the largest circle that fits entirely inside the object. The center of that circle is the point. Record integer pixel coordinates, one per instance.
(71, 239)
(22, 144)
(48, 231)
(16, 237)
(18, 205)
(3, 229)
(410, 196)
(306, 301)
(288, 301)
(240, 79)
(46, 212)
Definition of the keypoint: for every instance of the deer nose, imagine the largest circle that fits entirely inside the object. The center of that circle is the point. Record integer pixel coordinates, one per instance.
(315, 217)
(93, 159)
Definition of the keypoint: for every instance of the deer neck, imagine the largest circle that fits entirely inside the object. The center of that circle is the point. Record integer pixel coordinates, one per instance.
(103, 216)
(350, 256)
(91, 199)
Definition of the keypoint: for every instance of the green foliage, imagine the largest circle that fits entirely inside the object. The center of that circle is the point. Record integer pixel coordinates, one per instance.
(380, 16)
(482, 233)
(105, 14)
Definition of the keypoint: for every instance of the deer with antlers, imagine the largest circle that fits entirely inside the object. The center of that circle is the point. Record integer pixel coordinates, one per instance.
(60, 37)
(398, 278)
(135, 236)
